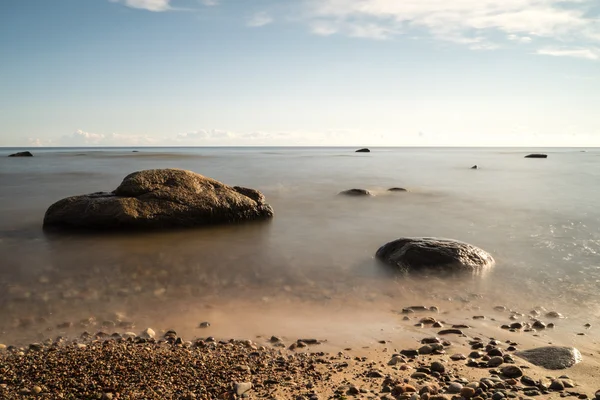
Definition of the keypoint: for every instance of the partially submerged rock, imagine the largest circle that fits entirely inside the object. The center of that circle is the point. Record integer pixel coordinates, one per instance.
(435, 255)
(397, 189)
(365, 150)
(160, 198)
(536, 155)
(551, 357)
(356, 192)
(22, 154)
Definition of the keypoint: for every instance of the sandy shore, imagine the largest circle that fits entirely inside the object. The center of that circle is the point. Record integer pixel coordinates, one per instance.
(387, 361)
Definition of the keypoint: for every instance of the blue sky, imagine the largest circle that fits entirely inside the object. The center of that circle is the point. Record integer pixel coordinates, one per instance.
(301, 72)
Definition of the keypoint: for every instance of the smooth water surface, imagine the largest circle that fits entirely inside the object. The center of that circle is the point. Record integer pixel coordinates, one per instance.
(537, 217)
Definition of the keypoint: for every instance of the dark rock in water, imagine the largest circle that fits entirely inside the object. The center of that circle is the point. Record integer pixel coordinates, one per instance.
(356, 192)
(536, 155)
(22, 154)
(474, 167)
(435, 255)
(397, 189)
(365, 150)
(160, 198)
(552, 357)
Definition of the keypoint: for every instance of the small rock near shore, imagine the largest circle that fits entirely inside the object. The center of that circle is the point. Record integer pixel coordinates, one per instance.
(22, 154)
(356, 192)
(536, 155)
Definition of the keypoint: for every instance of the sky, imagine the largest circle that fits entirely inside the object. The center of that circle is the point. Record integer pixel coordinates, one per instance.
(300, 72)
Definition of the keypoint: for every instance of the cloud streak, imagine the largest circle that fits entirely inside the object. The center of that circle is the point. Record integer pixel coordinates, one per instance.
(149, 5)
(259, 19)
(586, 53)
(478, 24)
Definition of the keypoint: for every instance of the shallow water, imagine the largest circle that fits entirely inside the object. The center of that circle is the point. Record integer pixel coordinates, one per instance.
(537, 217)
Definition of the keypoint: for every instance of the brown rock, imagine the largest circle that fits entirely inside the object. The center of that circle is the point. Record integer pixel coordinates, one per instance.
(160, 198)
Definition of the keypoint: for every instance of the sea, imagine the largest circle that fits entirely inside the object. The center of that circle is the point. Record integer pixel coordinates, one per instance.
(311, 269)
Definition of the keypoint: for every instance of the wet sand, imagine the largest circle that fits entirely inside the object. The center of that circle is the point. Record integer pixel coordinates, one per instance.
(365, 339)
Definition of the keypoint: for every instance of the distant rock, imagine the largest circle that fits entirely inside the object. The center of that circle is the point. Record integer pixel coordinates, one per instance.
(551, 357)
(160, 198)
(536, 155)
(356, 192)
(435, 255)
(22, 154)
(365, 150)
(475, 167)
(397, 189)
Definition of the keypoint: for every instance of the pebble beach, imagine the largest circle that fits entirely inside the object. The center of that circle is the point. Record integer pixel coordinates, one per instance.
(434, 361)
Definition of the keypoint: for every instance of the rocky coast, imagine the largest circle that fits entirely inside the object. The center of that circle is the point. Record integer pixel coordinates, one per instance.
(428, 358)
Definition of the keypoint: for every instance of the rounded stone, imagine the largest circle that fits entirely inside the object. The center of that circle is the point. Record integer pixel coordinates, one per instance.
(495, 362)
(512, 371)
(551, 357)
(437, 366)
(436, 255)
(356, 192)
(467, 392)
(455, 387)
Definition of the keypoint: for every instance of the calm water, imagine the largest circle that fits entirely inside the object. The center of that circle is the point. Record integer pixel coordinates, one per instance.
(538, 218)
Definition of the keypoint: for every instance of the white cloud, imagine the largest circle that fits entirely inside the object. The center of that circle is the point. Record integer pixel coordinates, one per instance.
(586, 53)
(519, 39)
(83, 138)
(259, 19)
(475, 23)
(150, 5)
(209, 3)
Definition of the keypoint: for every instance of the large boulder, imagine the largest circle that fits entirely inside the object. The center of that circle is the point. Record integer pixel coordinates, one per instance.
(434, 255)
(160, 198)
(551, 357)
(364, 150)
(22, 154)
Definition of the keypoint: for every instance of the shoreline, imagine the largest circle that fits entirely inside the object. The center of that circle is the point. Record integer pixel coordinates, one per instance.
(318, 365)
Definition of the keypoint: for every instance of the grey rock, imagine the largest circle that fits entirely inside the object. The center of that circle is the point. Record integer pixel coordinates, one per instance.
(458, 357)
(356, 192)
(437, 366)
(539, 325)
(426, 349)
(160, 198)
(450, 332)
(495, 362)
(512, 371)
(557, 385)
(148, 333)
(395, 360)
(498, 396)
(551, 357)
(375, 374)
(441, 256)
(204, 324)
(554, 314)
(242, 387)
(397, 189)
(536, 155)
(455, 388)
(22, 154)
